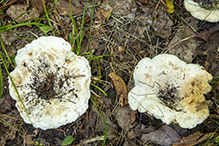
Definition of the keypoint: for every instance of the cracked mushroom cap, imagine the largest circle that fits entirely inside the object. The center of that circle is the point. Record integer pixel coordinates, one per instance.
(52, 82)
(171, 90)
(203, 10)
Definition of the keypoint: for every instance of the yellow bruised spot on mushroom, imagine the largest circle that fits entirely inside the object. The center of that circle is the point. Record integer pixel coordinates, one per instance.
(52, 82)
(171, 90)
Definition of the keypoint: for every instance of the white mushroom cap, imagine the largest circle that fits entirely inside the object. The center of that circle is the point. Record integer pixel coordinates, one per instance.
(52, 82)
(201, 13)
(170, 90)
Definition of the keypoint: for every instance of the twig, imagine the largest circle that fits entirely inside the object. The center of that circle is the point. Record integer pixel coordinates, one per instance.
(10, 117)
(2, 7)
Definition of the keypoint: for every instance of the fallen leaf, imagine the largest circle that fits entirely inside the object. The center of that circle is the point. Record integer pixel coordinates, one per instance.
(163, 26)
(28, 140)
(131, 134)
(46, 28)
(102, 13)
(210, 49)
(68, 140)
(62, 7)
(123, 117)
(141, 129)
(170, 6)
(193, 139)
(133, 117)
(6, 103)
(146, 17)
(183, 45)
(205, 34)
(161, 22)
(120, 87)
(165, 135)
(124, 8)
(16, 10)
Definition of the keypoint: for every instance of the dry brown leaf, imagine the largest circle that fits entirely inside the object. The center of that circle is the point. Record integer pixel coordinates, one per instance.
(62, 7)
(183, 45)
(28, 140)
(207, 32)
(133, 117)
(102, 13)
(123, 117)
(193, 139)
(120, 87)
(16, 10)
(210, 49)
(124, 8)
(164, 135)
(160, 22)
(132, 134)
(6, 103)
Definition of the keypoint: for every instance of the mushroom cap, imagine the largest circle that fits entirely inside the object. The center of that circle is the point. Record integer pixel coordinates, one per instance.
(52, 82)
(210, 15)
(170, 90)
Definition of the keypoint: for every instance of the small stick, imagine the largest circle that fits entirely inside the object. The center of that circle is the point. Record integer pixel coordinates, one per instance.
(2, 7)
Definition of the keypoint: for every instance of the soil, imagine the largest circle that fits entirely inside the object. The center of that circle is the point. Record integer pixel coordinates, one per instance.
(123, 32)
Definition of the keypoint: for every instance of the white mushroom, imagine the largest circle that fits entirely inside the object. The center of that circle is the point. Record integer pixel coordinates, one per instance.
(201, 13)
(52, 82)
(171, 90)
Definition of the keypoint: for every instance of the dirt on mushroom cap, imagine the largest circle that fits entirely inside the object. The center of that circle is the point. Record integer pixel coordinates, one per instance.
(170, 90)
(52, 82)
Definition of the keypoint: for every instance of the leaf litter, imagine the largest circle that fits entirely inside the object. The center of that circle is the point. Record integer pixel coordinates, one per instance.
(144, 29)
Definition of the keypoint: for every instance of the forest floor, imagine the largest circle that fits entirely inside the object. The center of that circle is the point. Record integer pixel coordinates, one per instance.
(122, 33)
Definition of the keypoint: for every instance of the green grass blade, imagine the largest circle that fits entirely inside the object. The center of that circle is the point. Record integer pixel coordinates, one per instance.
(217, 82)
(25, 38)
(98, 63)
(99, 88)
(91, 23)
(74, 29)
(14, 86)
(47, 16)
(1, 83)
(94, 102)
(216, 77)
(6, 52)
(81, 31)
(71, 39)
(2, 29)
(96, 57)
